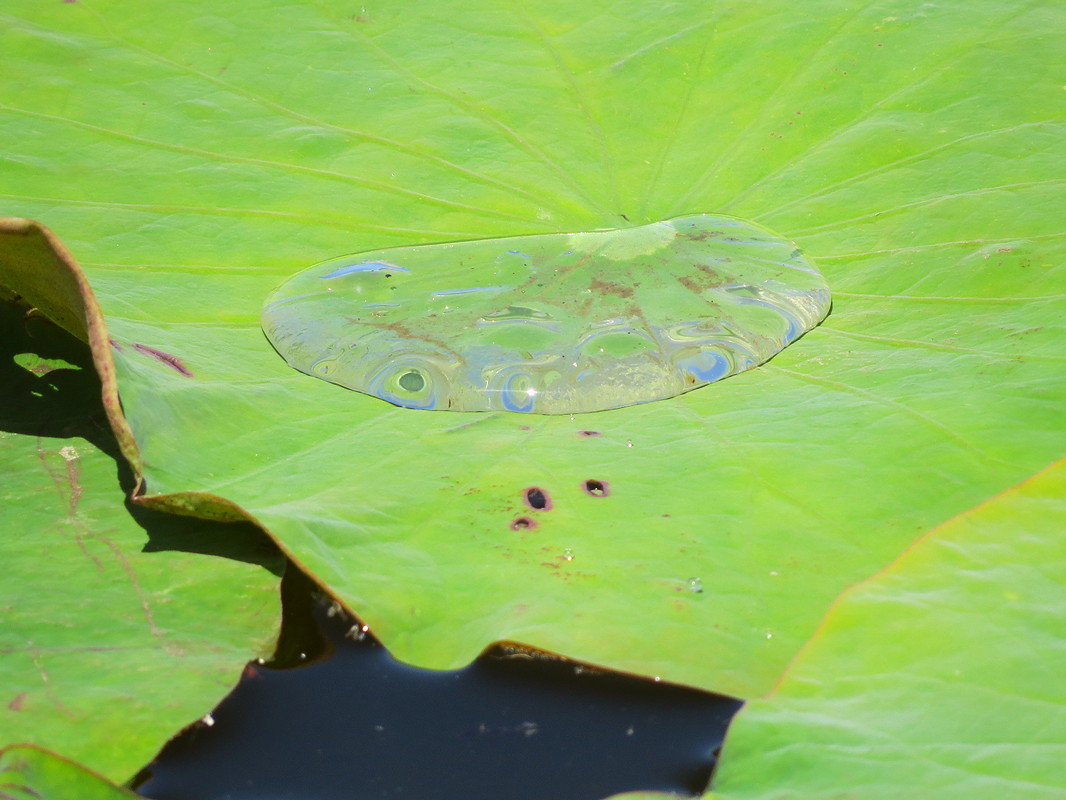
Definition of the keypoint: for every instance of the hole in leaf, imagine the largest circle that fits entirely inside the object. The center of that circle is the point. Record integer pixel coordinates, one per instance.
(597, 488)
(537, 499)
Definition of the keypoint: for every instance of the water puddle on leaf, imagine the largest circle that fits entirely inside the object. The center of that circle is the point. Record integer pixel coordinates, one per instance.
(335, 717)
(550, 324)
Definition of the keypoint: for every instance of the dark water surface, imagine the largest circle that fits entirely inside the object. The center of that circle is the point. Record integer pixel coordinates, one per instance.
(345, 720)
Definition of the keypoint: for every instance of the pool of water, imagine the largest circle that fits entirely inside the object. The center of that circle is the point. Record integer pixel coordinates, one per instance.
(334, 716)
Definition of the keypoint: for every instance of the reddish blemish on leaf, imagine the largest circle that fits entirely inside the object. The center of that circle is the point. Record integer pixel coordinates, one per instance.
(171, 361)
(523, 524)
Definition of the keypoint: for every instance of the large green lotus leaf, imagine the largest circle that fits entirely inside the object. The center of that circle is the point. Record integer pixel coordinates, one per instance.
(193, 156)
(105, 649)
(30, 773)
(938, 677)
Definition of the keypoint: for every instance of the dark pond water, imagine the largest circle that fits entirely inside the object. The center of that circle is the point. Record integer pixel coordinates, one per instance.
(335, 716)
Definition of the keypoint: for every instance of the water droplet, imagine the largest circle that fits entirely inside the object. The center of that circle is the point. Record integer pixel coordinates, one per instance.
(357, 632)
(568, 554)
(629, 444)
(773, 572)
(695, 585)
(207, 720)
(552, 324)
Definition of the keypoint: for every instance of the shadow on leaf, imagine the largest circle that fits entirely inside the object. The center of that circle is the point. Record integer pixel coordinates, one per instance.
(48, 388)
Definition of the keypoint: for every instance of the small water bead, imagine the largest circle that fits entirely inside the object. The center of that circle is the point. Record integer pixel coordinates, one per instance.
(357, 632)
(550, 324)
(695, 585)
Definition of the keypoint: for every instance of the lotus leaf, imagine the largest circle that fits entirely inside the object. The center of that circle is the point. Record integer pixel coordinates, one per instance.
(193, 157)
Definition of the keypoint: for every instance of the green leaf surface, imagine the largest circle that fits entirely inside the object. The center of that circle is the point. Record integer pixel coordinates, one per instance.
(30, 773)
(938, 677)
(105, 649)
(194, 156)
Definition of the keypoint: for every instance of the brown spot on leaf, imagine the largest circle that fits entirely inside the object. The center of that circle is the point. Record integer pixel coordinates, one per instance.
(602, 287)
(715, 277)
(690, 284)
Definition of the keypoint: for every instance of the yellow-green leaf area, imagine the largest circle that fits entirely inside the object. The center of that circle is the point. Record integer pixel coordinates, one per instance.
(938, 677)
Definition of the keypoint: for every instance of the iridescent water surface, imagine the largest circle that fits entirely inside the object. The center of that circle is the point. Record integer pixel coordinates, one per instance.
(551, 324)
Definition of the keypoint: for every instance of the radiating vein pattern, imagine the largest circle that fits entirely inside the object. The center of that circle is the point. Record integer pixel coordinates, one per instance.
(550, 324)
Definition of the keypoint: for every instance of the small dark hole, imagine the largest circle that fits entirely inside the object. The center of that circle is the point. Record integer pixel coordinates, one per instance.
(588, 433)
(597, 488)
(537, 498)
(388, 274)
(522, 523)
